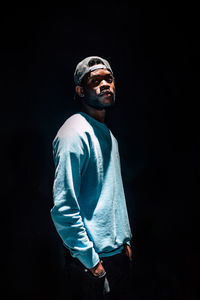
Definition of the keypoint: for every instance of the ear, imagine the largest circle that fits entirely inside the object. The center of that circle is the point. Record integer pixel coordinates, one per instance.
(79, 90)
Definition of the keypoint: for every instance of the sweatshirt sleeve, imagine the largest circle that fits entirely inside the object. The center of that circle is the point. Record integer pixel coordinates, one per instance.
(70, 157)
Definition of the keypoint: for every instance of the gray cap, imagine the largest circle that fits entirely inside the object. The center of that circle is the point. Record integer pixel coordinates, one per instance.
(82, 68)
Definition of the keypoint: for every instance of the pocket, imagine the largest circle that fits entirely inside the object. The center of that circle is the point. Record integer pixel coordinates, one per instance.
(125, 256)
(93, 285)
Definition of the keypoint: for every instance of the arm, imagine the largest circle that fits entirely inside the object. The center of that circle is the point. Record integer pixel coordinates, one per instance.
(128, 251)
(70, 155)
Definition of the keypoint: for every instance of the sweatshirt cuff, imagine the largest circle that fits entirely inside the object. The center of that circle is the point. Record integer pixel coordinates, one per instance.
(88, 258)
(128, 243)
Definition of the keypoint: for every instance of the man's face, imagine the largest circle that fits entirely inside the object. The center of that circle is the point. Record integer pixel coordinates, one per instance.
(99, 89)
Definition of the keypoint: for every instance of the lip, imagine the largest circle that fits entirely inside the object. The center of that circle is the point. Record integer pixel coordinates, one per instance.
(106, 93)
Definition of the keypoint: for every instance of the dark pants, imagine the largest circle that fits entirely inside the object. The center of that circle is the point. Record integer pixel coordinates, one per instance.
(81, 284)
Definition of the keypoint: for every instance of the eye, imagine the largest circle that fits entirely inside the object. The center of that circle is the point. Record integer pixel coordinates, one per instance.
(109, 79)
(95, 81)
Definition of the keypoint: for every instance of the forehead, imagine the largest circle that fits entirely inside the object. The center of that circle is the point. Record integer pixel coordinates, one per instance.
(99, 72)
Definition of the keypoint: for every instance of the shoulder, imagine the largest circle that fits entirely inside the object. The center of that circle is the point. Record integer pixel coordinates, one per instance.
(74, 125)
(72, 134)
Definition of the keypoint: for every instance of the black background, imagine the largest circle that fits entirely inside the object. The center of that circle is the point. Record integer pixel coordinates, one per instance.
(155, 57)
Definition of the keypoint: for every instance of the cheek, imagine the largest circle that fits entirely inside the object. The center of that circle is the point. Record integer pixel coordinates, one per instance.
(90, 93)
(112, 87)
(97, 90)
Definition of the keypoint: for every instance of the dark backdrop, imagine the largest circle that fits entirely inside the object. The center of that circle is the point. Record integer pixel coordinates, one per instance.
(155, 57)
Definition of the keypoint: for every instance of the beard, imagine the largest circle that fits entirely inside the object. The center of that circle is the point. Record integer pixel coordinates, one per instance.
(99, 103)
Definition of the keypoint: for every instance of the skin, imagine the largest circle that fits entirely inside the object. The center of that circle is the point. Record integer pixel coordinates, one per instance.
(98, 94)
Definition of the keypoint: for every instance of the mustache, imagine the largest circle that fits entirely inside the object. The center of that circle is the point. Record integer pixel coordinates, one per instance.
(106, 92)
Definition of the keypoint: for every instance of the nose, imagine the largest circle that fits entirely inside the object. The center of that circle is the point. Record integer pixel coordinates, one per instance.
(104, 85)
(103, 82)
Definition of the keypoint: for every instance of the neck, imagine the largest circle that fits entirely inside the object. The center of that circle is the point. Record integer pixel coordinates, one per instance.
(99, 115)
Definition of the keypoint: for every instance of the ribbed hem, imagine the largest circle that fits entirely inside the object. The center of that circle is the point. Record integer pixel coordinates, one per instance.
(113, 252)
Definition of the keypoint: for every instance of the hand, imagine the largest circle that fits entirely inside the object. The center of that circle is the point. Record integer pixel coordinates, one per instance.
(97, 270)
(128, 251)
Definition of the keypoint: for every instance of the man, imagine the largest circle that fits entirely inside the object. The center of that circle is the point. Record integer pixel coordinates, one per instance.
(89, 210)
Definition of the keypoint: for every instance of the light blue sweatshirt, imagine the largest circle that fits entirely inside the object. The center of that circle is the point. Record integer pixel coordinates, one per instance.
(89, 212)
